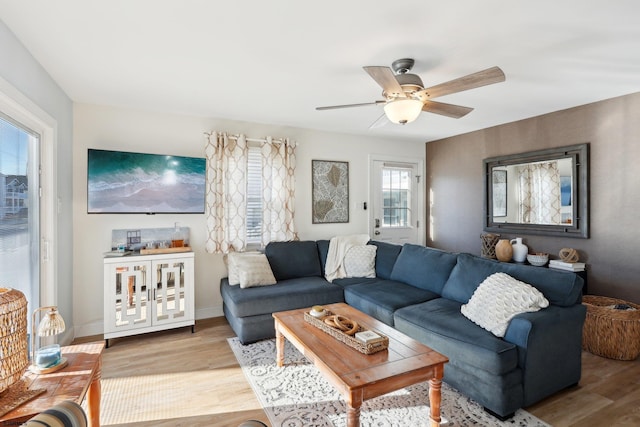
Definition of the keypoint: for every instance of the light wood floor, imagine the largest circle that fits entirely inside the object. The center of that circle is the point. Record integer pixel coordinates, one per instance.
(608, 394)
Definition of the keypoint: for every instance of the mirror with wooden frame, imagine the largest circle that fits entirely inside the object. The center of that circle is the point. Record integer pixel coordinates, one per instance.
(543, 192)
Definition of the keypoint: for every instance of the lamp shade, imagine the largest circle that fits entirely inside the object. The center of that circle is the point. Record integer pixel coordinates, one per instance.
(403, 110)
(51, 324)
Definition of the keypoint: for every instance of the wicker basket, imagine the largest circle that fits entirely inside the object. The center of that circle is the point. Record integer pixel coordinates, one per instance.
(609, 332)
(366, 348)
(14, 357)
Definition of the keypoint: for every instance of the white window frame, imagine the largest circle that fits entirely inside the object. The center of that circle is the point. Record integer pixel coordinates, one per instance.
(22, 110)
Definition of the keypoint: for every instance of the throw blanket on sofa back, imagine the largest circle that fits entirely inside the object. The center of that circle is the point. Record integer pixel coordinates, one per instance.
(338, 248)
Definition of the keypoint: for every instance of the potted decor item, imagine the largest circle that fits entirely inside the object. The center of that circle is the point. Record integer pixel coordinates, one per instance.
(504, 250)
(520, 250)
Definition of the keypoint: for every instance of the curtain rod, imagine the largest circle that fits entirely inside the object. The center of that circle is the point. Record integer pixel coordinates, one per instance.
(263, 140)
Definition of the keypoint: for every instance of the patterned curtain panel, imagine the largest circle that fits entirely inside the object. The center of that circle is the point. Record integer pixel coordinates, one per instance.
(539, 191)
(226, 187)
(226, 198)
(278, 194)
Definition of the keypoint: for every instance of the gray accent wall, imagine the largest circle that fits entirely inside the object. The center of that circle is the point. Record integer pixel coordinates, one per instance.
(455, 192)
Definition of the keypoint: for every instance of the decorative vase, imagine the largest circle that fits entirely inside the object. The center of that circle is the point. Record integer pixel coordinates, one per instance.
(520, 250)
(504, 250)
(489, 245)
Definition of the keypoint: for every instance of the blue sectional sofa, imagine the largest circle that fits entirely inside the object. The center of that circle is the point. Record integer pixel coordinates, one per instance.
(420, 292)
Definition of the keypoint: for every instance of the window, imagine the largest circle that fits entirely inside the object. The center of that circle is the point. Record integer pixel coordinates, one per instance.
(250, 188)
(396, 193)
(254, 196)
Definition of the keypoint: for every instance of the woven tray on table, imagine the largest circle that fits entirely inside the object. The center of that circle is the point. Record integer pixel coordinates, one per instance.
(366, 348)
(610, 332)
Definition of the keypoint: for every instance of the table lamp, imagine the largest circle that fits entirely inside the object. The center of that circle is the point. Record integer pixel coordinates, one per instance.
(47, 359)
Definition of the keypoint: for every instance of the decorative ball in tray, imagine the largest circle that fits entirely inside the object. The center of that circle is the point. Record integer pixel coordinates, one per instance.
(346, 330)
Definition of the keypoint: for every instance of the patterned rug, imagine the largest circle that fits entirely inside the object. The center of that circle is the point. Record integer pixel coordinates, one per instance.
(298, 396)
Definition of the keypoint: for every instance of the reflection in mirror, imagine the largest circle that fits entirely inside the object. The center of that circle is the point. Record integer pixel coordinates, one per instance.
(541, 192)
(533, 193)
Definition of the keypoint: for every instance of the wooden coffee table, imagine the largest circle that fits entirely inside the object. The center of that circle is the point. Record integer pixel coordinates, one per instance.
(357, 376)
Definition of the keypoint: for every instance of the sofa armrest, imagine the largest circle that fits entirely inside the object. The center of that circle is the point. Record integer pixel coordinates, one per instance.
(549, 349)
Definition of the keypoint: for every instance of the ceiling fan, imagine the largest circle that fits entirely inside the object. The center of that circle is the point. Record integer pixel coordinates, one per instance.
(405, 95)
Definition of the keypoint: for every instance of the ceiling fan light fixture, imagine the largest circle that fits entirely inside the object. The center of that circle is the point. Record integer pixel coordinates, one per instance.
(403, 110)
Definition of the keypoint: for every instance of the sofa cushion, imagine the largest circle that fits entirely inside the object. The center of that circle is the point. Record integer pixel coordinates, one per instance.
(439, 324)
(498, 299)
(360, 261)
(323, 250)
(256, 273)
(285, 295)
(560, 288)
(381, 298)
(423, 267)
(386, 256)
(290, 260)
(249, 269)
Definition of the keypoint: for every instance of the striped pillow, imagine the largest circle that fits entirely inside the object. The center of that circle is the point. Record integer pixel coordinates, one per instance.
(64, 414)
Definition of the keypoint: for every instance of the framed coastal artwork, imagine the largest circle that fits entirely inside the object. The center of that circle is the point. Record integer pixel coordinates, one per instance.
(330, 191)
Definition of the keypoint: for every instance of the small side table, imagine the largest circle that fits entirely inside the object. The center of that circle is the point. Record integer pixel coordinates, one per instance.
(79, 378)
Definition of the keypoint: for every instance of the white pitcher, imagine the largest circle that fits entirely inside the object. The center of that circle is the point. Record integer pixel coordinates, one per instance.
(520, 250)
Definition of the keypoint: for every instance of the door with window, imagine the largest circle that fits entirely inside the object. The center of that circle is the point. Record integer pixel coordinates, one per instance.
(396, 199)
(19, 209)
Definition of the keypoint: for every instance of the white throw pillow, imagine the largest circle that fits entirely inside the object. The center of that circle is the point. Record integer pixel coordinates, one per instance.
(360, 261)
(233, 258)
(498, 299)
(254, 270)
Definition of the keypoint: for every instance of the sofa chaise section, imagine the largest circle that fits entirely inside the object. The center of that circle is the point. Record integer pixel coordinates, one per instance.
(539, 355)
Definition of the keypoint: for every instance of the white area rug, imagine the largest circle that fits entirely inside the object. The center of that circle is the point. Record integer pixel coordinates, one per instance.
(298, 396)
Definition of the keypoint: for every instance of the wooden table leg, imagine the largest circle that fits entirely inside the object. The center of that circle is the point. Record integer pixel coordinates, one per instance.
(435, 397)
(353, 416)
(93, 397)
(354, 402)
(279, 346)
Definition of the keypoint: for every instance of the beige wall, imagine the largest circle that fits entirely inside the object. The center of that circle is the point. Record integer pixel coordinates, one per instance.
(455, 183)
(144, 131)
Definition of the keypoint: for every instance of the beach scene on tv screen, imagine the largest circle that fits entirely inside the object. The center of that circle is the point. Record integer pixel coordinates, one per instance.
(122, 182)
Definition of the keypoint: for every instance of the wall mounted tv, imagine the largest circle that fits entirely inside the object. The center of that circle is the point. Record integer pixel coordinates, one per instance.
(124, 182)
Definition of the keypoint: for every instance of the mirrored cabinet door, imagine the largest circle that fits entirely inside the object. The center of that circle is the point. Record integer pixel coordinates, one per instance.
(170, 292)
(130, 296)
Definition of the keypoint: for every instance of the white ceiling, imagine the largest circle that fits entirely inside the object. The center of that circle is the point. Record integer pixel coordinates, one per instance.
(275, 61)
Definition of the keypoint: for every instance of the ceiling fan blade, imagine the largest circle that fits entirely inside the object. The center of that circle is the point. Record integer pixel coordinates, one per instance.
(385, 78)
(481, 78)
(380, 121)
(449, 110)
(333, 107)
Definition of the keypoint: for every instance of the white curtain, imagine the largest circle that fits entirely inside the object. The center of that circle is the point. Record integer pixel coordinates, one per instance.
(226, 197)
(278, 190)
(539, 188)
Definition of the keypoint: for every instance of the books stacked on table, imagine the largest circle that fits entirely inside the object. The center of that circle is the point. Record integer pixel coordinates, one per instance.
(567, 266)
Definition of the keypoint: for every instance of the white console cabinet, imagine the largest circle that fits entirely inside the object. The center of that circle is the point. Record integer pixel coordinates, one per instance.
(148, 293)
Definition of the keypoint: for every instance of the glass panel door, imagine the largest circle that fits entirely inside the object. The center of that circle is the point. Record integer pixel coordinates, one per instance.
(131, 295)
(19, 210)
(170, 291)
(394, 195)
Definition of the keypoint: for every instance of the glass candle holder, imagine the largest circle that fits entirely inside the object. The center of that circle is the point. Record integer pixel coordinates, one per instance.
(48, 356)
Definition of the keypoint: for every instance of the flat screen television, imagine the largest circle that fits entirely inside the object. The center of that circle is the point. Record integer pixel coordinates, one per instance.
(124, 182)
